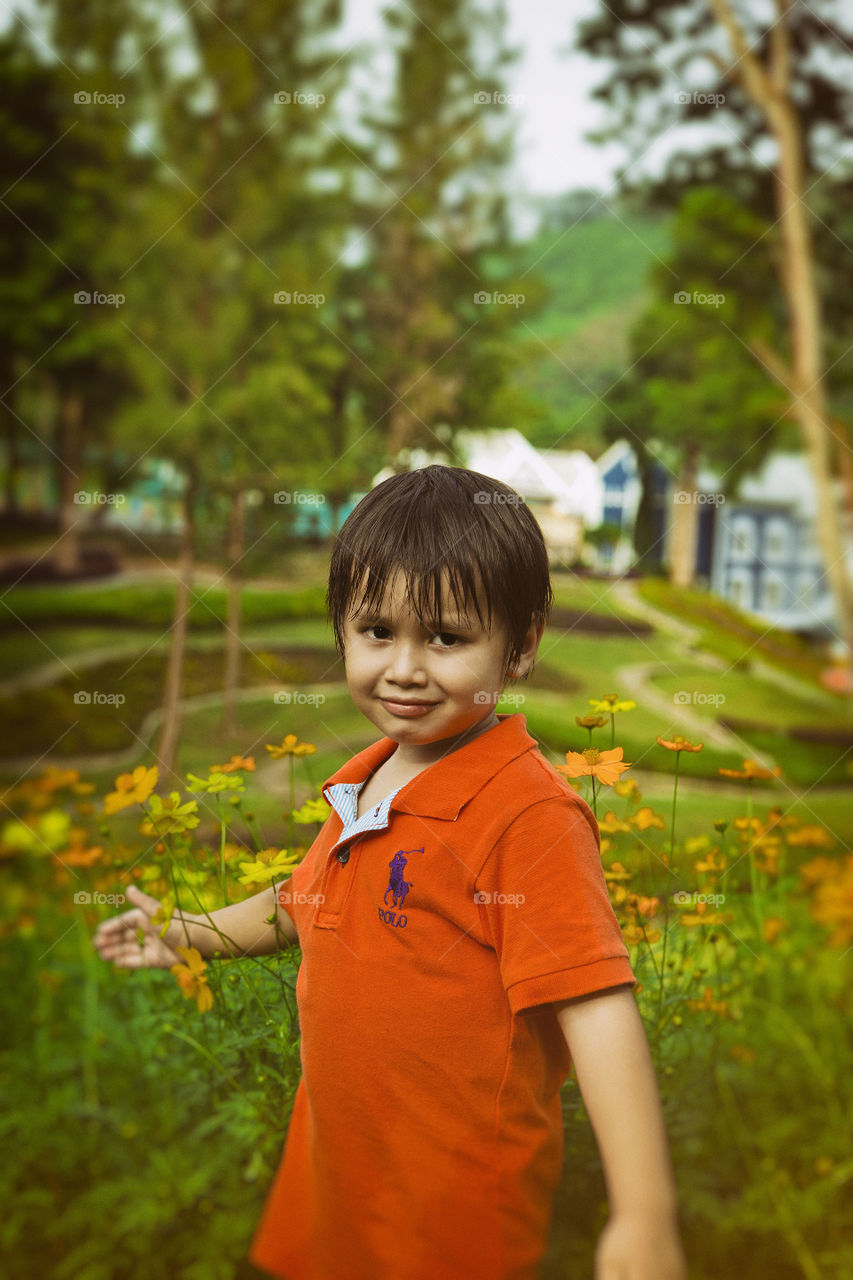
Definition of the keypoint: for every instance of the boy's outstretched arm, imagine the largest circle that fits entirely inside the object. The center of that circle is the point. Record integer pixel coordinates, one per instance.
(608, 1045)
(132, 941)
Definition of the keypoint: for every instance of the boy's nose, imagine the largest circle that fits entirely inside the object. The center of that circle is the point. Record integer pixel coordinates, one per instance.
(405, 665)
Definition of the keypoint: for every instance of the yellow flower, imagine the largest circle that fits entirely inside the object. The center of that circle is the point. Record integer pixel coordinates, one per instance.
(645, 818)
(290, 746)
(268, 866)
(617, 872)
(131, 788)
(606, 766)
(191, 978)
(314, 810)
(610, 703)
(627, 789)
(215, 783)
(773, 926)
(813, 837)
(170, 816)
(610, 824)
(590, 722)
(680, 744)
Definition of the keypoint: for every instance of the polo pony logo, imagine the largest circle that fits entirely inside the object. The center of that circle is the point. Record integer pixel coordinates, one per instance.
(397, 886)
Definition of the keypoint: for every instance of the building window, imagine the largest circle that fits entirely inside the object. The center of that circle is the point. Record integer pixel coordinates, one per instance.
(771, 596)
(776, 540)
(742, 537)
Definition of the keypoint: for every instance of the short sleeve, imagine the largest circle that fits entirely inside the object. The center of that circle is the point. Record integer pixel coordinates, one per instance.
(547, 910)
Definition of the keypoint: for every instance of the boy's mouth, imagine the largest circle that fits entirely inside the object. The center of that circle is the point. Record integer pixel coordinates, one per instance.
(406, 707)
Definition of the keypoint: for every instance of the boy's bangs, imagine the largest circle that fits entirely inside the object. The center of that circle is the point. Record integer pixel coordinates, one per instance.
(432, 593)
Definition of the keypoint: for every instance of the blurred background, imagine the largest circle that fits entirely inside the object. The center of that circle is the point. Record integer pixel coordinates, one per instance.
(256, 258)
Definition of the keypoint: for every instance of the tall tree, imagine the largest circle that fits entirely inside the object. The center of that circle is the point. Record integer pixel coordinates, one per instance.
(432, 354)
(778, 79)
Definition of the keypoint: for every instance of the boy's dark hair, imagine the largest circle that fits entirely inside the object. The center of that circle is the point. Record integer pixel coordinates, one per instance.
(438, 520)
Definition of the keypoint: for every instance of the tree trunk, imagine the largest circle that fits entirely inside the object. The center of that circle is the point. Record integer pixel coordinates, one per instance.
(66, 552)
(233, 644)
(772, 94)
(684, 525)
(170, 734)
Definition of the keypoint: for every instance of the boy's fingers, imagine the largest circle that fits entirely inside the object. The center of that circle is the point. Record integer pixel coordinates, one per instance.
(143, 900)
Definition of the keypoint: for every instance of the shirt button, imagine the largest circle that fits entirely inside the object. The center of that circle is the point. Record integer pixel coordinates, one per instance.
(343, 857)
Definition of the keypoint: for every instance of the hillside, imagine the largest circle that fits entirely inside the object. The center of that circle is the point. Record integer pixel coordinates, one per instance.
(597, 276)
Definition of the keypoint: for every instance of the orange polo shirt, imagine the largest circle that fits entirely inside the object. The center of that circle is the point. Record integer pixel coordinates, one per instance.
(426, 1138)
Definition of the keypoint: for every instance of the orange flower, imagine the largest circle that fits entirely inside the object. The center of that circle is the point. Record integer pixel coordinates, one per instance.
(235, 763)
(606, 766)
(290, 746)
(773, 926)
(617, 872)
(131, 788)
(751, 769)
(680, 744)
(191, 978)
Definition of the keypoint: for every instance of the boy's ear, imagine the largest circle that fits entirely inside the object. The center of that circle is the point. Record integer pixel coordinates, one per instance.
(532, 641)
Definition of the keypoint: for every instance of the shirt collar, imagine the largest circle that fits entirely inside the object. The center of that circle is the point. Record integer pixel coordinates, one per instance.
(442, 789)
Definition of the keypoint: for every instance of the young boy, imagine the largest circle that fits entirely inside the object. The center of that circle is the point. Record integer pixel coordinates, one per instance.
(459, 949)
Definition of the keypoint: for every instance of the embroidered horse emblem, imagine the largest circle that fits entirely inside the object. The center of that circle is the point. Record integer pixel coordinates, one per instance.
(397, 886)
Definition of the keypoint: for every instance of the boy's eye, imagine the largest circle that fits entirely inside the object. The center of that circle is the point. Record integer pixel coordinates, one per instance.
(447, 638)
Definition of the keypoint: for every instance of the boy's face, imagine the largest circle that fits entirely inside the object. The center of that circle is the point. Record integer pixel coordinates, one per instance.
(421, 687)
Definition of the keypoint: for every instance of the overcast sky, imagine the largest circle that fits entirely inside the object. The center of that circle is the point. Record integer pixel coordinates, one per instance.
(555, 110)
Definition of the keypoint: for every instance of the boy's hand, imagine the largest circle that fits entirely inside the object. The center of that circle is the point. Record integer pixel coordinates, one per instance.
(635, 1248)
(118, 939)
